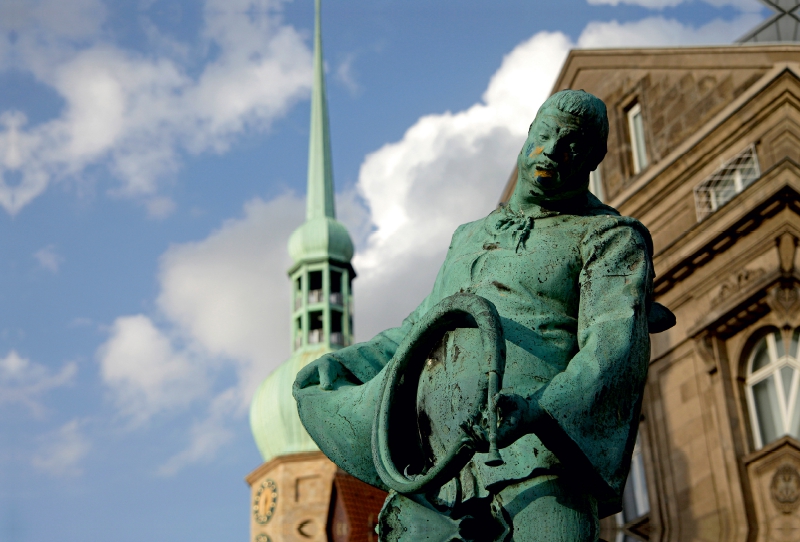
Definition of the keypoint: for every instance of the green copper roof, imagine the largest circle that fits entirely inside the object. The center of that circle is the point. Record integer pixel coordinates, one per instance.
(320, 172)
(321, 237)
(274, 422)
(276, 427)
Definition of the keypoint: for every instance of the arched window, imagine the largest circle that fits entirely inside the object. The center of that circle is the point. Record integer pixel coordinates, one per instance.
(773, 375)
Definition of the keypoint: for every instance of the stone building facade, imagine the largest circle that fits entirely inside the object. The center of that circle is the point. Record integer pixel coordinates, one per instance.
(704, 148)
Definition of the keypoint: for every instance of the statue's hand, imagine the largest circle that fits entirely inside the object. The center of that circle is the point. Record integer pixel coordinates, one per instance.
(324, 371)
(516, 415)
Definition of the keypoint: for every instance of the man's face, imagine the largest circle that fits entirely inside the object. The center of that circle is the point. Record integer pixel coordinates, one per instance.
(555, 152)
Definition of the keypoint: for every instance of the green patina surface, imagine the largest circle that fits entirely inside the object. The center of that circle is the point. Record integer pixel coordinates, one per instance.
(321, 246)
(569, 282)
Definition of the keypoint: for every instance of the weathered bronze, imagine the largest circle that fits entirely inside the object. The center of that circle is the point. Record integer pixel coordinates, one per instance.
(506, 405)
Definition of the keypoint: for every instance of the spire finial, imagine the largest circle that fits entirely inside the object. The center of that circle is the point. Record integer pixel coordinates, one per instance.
(320, 173)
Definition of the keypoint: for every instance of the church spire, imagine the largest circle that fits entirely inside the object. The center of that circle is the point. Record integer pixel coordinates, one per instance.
(320, 172)
(321, 278)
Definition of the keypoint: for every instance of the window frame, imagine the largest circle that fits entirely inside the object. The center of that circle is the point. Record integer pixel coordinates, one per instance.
(596, 183)
(637, 138)
(787, 406)
(708, 199)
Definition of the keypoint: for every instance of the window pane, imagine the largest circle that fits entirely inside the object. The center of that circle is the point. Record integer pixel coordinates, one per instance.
(638, 140)
(781, 351)
(640, 486)
(635, 500)
(761, 356)
(786, 375)
(794, 425)
(767, 411)
(596, 184)
(793, 346)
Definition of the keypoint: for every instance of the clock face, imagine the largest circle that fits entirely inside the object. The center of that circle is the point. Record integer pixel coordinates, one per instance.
(265, 501)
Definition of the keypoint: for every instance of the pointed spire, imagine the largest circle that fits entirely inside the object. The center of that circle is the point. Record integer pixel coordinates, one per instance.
(320, 173)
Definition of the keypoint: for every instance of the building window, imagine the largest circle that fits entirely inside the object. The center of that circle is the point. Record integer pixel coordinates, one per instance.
(298, 333)
(596, 184)
(730, 179)
(337, 337)
(635, 499)
(315, 287)
(315, 332)
(298, 293)
(636, 131)
(773, 371)
(336, 288)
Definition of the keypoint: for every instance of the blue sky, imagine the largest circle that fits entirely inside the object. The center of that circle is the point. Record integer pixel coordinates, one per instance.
(153, 162)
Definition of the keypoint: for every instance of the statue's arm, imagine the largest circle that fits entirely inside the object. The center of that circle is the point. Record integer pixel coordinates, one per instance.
(589, 413)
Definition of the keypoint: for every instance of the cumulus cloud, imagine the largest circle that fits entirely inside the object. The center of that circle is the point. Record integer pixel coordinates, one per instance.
(136, 114)
(446, 170)
(61, 451)
(665, 32)
(226, 301)
(345, 74)
(228, 295)
(147, 375)
(24, 382)
(208, 435)
(48, 258)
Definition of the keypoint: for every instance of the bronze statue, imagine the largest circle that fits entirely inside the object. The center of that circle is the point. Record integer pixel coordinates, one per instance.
(506, 406)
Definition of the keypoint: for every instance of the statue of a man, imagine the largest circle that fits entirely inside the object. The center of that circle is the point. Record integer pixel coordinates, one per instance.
(571, 281)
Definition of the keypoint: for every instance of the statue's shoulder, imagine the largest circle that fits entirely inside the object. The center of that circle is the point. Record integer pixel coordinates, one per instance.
(471, 230)
(603, 222)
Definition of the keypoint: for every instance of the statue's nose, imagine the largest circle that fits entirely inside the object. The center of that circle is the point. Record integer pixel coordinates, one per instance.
(549, 148)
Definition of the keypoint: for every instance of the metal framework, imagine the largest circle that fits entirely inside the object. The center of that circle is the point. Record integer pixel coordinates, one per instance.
(726, 182)
(781, 27)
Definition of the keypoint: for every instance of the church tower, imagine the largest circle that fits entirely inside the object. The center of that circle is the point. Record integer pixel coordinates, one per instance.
(293, 491)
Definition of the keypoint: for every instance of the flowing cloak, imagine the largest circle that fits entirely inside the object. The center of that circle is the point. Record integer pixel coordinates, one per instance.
(573, 287)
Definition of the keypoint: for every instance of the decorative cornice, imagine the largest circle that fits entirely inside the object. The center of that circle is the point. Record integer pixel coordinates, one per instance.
(262, 470)
(786, 197)
(783, 444)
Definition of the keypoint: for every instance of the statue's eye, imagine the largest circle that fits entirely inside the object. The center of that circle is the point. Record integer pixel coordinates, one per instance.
(544, 137)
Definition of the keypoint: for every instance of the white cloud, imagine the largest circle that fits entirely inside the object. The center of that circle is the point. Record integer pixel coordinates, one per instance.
(226, 301)
(448, 169)
(24, 382)
(48, 258)
(665, 32)
(136, 114)
(345, 74)
(62, 450)
(228, 295)
(145, 373)
(208, 435)
(743, 5)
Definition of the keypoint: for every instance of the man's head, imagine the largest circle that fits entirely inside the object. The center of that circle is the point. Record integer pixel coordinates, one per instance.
(566, 141)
